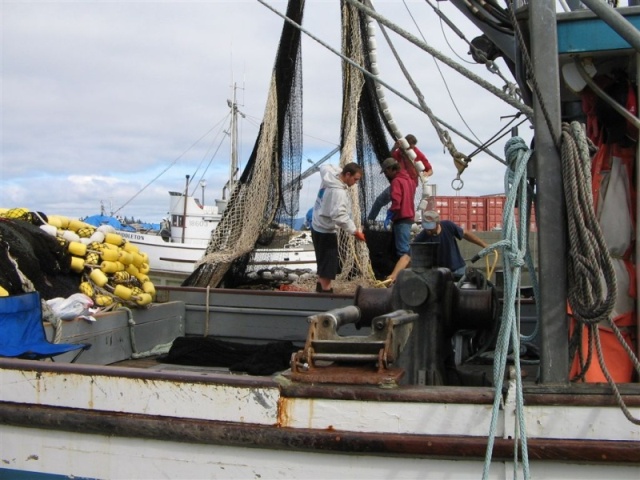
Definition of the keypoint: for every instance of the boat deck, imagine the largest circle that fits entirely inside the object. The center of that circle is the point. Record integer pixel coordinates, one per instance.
(480, 375)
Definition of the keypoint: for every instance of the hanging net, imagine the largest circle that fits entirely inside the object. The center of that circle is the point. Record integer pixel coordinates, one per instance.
(265, 200)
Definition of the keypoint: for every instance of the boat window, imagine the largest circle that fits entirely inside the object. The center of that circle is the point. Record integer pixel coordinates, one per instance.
(177, 220)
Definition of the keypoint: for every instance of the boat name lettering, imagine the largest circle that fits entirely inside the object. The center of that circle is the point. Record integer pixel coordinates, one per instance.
(198, 223)
(132, 236)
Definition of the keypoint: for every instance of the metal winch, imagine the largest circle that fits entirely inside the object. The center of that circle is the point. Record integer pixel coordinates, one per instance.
(413, 326)
(328, 357)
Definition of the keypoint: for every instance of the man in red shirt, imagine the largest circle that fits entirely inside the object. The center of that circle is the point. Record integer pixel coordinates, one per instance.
(412, 169)
(402, 210)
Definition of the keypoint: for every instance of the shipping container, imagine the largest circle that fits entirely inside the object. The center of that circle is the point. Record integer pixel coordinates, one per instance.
(478, 214)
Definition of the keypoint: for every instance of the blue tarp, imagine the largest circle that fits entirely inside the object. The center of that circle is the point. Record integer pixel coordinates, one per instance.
(98, 220)
(149, 226)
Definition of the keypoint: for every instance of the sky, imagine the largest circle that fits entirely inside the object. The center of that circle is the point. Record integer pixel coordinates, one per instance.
(113, 103)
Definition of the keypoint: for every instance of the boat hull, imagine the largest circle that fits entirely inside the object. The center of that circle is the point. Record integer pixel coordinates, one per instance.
(181, 258)
(112, 421)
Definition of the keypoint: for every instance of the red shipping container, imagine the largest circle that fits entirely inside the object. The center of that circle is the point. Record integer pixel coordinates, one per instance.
(476, 213)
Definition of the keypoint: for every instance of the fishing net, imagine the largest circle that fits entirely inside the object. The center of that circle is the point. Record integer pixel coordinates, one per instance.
(265, 201)
(31, 259)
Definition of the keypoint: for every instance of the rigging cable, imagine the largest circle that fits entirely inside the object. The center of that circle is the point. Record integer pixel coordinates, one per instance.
(530, 71)
(443, 18)
(525, 109)
(168, 167)
(444, 59)
(460, 160)
(510, 87)
(208, 164)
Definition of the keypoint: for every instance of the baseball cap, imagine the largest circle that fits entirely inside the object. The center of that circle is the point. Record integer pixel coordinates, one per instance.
(430, 219)
(388, 162)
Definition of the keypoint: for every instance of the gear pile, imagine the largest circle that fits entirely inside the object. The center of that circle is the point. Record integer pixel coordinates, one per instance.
(101, 264)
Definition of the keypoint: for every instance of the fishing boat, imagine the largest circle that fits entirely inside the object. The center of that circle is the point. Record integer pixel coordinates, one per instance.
(426, 379)
(182, 239)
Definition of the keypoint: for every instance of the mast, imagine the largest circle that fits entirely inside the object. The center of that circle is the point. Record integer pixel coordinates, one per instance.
(233, 167)
(550, 208)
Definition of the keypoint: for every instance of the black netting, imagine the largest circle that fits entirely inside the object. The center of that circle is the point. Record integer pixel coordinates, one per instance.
(41, 258)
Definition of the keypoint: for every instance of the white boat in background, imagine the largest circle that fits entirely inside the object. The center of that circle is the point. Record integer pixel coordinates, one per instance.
(181, 242)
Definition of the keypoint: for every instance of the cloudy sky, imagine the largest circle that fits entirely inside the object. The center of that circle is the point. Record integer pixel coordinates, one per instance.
(116, 101)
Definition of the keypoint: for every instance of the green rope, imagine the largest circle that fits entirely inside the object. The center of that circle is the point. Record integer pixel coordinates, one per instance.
(514, 244)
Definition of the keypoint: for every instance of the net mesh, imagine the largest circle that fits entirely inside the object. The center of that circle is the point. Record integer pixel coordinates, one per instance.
(265, 200)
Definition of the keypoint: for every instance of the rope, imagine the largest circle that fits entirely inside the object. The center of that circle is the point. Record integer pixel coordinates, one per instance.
(592, 285)
(514, 245)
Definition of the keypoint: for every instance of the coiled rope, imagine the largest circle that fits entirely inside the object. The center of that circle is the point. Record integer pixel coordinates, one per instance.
(592, 286)
(514, 244)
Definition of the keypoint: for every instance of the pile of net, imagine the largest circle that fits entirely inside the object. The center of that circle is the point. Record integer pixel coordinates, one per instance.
(60, 257)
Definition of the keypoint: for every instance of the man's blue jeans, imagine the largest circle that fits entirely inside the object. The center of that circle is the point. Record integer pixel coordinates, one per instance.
(402, 237)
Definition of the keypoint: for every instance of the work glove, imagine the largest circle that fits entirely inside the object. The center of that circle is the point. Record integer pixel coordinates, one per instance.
(387, 220)
(359, 235)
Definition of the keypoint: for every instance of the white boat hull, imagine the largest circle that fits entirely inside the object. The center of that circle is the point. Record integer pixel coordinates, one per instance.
(95, 421)
(99, 456)
(180, 258)
(178, 412)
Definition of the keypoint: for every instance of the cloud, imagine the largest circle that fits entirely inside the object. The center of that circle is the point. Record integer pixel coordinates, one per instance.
(100, 98)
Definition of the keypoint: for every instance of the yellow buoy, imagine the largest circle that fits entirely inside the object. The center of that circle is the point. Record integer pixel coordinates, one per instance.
(144, 299)
(98, 277)
(3, 292)
(64, 222)
(130, 247)
(125, 257)
(137, 259)
(149, 288)
(142, 278)
(122, 292)
(109, 267)
(113, 239)
(109, 255)
(54, 221)
(132, 269)
(144, 268)
(78, 249)
(75, 225)
(77, 264)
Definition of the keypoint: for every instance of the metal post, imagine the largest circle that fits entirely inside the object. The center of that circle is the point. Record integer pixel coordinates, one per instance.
(550, 208)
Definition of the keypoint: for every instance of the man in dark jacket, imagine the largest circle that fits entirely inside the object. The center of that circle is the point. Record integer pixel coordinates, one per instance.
(446, 234)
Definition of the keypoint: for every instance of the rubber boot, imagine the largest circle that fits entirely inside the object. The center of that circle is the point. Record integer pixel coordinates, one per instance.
(320, 290)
